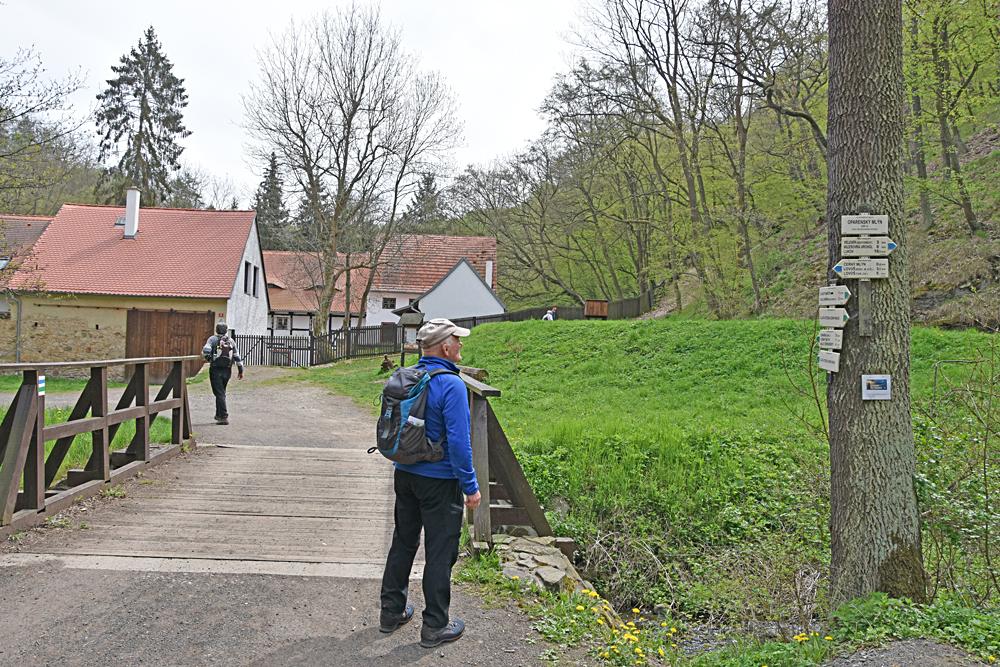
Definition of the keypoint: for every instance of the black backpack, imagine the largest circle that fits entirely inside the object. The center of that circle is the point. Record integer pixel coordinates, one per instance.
(401, 435)
(223, 354)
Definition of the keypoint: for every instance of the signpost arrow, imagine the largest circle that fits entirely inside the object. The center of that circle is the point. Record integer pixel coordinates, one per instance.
(864, 224)
(831, 339)
(866, 246)
(834, 295)
(862, 268)
(828, 361)
(833, 317)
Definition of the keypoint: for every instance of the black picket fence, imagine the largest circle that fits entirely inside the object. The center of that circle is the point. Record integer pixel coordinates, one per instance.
(308, 350)
(372, 341)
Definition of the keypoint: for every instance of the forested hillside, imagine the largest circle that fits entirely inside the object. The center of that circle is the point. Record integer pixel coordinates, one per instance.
(686, 152)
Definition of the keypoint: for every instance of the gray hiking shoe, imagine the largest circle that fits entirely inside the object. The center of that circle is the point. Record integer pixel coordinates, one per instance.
(430, 637)
(390, 622)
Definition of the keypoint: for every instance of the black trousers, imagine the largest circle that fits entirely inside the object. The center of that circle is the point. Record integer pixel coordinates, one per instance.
(219, 377)
(436, 505)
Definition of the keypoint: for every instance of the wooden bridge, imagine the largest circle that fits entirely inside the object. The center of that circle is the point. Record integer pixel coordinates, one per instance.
(241, 501)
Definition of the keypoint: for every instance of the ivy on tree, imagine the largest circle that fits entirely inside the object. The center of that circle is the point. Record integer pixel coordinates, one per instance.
(140, 120)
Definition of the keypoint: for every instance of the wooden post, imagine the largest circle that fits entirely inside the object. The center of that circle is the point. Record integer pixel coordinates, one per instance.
(34, 465)
(16, 450)
(100, 460)
(482, 528)
(177, 414)
(140, 443)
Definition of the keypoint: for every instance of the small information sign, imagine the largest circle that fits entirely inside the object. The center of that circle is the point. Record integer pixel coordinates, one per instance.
(876, 387)
(864, 224)
(831, 339)
(834, 295)
(833, 317)
(828, 361)
(866, 246)
(864, 269)
(41, 385)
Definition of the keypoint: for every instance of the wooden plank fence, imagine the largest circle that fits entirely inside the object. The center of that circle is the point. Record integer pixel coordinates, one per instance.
(29, 490)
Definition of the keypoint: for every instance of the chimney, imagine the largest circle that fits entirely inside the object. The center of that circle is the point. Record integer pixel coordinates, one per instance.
(131, 213)
(489, 273)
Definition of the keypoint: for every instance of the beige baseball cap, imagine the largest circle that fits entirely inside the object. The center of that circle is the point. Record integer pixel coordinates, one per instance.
(437, 330)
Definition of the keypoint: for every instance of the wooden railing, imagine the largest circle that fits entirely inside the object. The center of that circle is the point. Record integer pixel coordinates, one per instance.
(28, 476)
(507, 497)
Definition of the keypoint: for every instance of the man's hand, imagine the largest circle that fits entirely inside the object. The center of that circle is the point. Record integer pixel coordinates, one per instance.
(472, 502)
(239, 375)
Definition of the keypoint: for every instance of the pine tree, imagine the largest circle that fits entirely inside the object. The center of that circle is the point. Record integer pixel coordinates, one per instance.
(140, 120)
(272, 216)
(424, 211)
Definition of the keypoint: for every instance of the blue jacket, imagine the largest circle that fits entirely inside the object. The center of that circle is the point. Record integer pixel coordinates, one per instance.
(447, 421)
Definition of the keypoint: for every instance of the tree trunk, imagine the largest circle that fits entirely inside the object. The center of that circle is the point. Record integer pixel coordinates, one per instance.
(875, 531)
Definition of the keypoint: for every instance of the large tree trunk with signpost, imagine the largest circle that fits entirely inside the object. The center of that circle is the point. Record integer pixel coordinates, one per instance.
(874, 523)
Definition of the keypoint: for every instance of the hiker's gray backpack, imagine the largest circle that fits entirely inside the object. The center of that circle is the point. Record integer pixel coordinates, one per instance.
(401, 436)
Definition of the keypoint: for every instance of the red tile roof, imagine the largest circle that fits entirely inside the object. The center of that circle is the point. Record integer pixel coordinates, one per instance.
(417, 262)
(412, 264)
(292, 278)
(19, 232)
(177, 253)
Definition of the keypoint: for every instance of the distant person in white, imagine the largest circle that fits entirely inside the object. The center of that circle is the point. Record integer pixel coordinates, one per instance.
(550, 314)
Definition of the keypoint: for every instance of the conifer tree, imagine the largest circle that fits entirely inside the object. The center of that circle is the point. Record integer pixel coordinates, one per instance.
(140, 121)
(272, 216)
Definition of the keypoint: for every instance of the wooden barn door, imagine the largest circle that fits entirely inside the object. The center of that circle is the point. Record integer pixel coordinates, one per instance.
(160, 333)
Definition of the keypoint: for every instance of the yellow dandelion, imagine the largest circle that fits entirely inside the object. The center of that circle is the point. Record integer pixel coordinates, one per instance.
(600, 621)
(992, 659)
(579, 607)
(595, 610)
(605, 654)
(673, 629)
(515, 577)
(634, 610)
(673, 646)
(638, 650)
(828, 638)
(661, 652)
(663, 625)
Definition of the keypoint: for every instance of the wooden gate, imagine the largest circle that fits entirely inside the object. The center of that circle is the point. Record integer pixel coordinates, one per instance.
(167, 333)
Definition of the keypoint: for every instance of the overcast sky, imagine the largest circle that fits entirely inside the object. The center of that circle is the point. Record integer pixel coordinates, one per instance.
(498, 57)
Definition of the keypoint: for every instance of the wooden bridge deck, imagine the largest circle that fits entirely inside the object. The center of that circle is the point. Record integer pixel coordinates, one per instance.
(243, 509)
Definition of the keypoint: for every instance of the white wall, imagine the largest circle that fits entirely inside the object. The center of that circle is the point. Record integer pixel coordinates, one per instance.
(245, 313)
(460, 294)
(377, 314)
(299, 324)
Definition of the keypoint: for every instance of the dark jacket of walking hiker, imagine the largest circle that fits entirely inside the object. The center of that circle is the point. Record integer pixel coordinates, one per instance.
(220, 352)
(431, 495)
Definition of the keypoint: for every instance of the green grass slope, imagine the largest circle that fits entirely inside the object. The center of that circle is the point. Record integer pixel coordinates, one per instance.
(680, 452)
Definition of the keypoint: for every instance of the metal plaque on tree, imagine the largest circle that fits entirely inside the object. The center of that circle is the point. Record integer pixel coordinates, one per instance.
(828, 361)
(866, 246)
(864, 268)
(833, 317)
(834, 295)
(864, 224)
(830, 339)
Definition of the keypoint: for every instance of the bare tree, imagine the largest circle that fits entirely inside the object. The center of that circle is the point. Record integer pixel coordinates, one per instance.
(352, 122)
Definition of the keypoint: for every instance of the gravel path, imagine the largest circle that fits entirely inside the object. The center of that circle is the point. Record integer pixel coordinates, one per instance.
(909, 653)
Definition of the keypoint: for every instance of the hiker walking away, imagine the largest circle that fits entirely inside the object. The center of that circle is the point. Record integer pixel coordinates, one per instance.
(429, 495)
(220, 352)
(551, 314)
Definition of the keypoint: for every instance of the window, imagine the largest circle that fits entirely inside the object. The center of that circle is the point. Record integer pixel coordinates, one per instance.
(388, 302)
(246, 277)
(282, 323)
(256, 272)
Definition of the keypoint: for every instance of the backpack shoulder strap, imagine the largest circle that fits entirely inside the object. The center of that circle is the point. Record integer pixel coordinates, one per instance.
(441, 371)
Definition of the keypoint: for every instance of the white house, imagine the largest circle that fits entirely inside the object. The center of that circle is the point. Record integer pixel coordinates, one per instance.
(460, 270)
(460, 293)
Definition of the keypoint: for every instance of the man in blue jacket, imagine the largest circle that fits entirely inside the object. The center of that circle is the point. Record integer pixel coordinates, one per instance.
(431, 495)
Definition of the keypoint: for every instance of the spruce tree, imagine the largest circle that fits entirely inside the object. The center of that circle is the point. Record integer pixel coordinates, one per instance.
(140, 120)
(272, 216)
(424, 211)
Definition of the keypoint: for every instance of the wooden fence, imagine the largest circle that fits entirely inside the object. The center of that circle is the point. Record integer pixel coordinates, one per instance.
(507, 497)
(29, 490)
